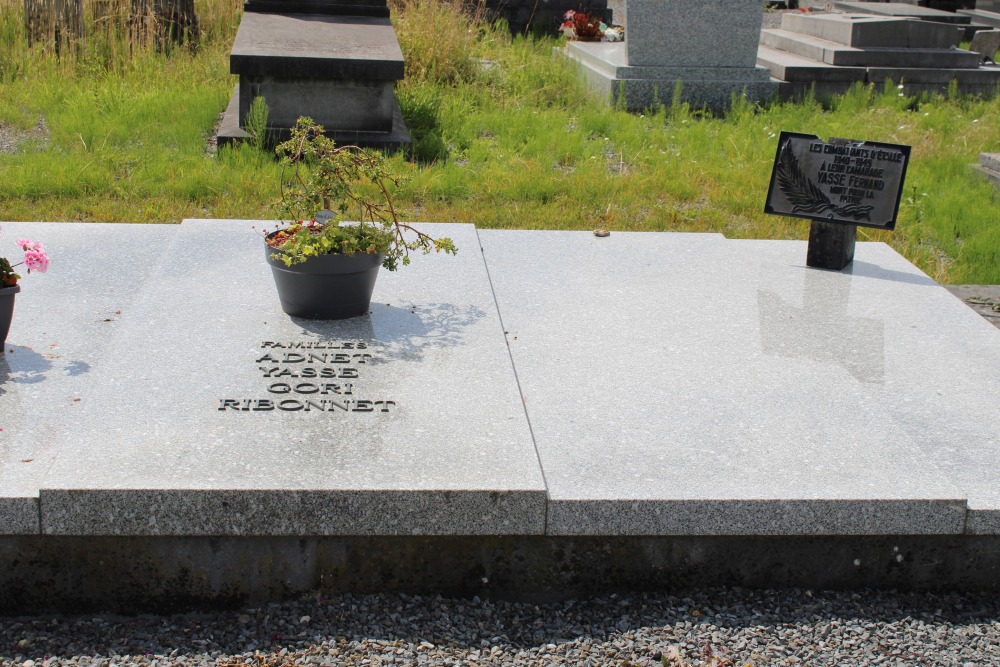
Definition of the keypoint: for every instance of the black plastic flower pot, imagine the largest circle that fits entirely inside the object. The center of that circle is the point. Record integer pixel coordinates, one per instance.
(325, 287)
(6, 310)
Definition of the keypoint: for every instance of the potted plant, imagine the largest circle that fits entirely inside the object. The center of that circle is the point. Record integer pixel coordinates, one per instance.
(325, 267)
(35, 259)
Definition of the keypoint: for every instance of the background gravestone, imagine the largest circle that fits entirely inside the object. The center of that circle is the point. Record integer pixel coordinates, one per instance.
(336, 61)
(986, 43)
(709, 47)
(825, 54)
(678, 33)
(532, 16)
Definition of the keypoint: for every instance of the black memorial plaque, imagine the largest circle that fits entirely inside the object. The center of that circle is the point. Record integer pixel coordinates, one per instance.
(837, 181)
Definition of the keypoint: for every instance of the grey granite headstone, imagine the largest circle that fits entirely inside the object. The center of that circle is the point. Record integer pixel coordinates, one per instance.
(680, 33)
(707, 48)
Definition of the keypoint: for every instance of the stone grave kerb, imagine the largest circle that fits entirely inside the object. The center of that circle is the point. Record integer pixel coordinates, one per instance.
(681, 33)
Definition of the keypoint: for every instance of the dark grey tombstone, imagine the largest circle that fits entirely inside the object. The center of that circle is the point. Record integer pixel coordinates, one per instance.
(335, 61)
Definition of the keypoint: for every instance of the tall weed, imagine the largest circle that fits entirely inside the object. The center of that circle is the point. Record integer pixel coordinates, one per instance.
(438, 39)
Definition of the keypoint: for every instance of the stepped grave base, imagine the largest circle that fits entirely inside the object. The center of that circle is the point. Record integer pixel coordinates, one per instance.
(826, 54)
(606, 70)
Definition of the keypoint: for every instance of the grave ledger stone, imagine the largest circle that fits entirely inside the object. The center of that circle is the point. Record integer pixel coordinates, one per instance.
(244, 421)
(708, 47)
(336, 62)
(838, 184)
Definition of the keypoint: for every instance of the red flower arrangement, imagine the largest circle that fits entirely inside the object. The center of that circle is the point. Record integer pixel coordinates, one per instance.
(582, 25)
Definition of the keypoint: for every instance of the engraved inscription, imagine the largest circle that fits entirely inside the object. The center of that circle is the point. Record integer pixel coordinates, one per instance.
(310, 376)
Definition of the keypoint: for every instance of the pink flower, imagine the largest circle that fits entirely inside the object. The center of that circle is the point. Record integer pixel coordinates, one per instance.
(36, 260)
(28, 244)
(35, 257)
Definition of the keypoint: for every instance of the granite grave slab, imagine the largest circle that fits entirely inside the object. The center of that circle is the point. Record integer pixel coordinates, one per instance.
(66, 323)
(865, 30)
(832, 53)
(221, 415)
(675, 384)
(283, 58)
(989, 18)
(917, 12)
(752, 397)
(989, 166)
(322, 7)
(986, 43)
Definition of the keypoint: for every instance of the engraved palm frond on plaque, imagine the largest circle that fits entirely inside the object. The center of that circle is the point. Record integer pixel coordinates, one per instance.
(805, 196)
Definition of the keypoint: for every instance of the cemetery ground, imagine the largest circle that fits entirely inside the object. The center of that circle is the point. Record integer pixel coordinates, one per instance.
(504, 134)
(712, 628)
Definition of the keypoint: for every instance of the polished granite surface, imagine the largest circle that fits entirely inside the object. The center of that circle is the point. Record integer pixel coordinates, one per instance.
(556, 382)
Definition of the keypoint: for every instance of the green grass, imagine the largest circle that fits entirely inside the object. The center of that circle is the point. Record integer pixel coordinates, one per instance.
(505, 137)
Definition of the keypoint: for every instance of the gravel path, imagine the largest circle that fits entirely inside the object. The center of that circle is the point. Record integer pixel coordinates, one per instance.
(729, 627)
(984, 299)
(12, 139)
